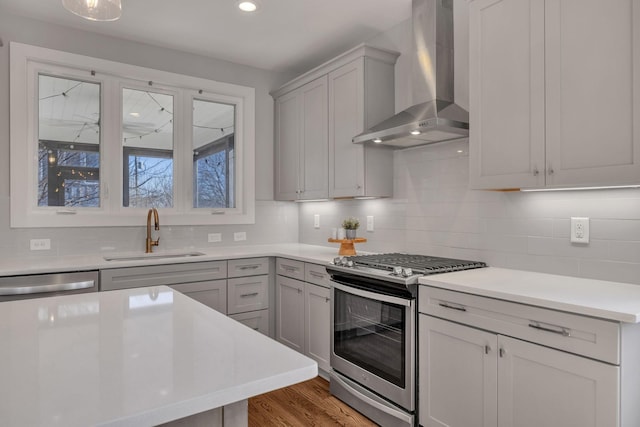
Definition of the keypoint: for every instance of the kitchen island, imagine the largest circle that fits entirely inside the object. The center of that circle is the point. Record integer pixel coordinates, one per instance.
(135, 357)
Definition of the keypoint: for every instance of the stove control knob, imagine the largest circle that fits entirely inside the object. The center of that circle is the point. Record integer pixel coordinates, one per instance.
(349, 263)
(344, 261)
(337, 260)
(407, 272)
(397, 271)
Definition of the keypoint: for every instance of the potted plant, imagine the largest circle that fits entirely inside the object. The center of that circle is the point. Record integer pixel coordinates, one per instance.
(350, 226)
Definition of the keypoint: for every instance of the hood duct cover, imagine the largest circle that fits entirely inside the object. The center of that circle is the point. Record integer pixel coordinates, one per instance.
(435, 117)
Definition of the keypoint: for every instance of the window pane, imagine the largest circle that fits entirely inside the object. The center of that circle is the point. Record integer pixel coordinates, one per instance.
(147, 131)
(68, 142)
(213, 154)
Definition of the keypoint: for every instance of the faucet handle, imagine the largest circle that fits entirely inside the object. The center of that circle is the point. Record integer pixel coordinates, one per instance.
(155, 242)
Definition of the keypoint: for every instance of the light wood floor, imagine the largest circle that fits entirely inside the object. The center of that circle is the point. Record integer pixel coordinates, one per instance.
(305, 404)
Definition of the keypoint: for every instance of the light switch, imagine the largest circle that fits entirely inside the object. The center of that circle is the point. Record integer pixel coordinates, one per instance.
(316, 221)
(370, 223)
(239, 235)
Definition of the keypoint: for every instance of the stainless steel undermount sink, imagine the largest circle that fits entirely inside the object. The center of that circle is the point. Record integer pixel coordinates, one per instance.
(152, 256)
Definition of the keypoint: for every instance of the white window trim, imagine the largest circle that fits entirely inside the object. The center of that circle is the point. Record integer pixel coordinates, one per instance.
(27, 61)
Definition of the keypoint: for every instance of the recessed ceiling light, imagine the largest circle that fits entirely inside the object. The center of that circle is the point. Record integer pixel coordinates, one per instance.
(248, 5)
(134, 114)
(415, 132)
(377, 140)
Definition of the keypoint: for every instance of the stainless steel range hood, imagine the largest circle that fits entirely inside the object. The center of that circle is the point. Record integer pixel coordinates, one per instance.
(434, 117)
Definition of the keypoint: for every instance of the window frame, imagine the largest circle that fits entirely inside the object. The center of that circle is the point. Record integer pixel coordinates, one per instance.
(27, 62)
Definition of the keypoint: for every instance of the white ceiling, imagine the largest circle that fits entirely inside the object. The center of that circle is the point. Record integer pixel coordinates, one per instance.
(284, 35)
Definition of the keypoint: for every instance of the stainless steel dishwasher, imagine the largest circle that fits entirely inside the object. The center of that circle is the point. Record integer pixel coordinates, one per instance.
(46, 285)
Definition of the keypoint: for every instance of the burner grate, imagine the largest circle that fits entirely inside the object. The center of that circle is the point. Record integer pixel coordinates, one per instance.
(420, 264)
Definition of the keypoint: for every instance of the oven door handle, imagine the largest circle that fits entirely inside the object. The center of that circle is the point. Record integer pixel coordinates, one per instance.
(372, 295)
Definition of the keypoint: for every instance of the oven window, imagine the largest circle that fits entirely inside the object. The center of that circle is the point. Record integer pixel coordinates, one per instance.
(371, 334)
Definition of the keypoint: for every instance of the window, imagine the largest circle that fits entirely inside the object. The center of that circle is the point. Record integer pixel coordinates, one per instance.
(213, 154)
(68, 142)
(101, 142)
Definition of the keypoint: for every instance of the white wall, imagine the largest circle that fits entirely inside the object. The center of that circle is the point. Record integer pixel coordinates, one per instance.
(274, 221)
(434, 212)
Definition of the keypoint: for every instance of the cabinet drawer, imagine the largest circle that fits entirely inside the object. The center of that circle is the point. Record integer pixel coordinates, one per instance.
(290, 268)
(256, 320)
(156, 275)
(587, 336)
(247, 267)
(210, 293)
(248, 294)
(317, 274)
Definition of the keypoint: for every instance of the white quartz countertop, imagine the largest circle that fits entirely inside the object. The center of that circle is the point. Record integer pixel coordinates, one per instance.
(136, 357)
(597, 298)
(45, 264)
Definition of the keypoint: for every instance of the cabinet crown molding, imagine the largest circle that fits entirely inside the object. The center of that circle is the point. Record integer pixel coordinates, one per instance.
(379, 54)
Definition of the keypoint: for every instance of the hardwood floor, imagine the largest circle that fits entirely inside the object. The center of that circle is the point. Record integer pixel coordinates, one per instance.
(305, 404)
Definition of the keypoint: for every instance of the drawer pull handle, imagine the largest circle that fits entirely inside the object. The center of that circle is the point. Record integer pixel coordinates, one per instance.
(453, 307)
(249, 267)
(560, 331)
(289, 268)
(252, 294)
(316, 274)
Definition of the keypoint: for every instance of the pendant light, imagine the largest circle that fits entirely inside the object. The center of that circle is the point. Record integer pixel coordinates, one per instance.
(95, 10)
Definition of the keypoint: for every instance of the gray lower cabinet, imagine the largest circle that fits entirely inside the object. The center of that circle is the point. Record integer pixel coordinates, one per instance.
(509, 364)
(244, 295)
(303, 309)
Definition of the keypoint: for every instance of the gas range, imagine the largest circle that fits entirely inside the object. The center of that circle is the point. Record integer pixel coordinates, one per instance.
(398, 268)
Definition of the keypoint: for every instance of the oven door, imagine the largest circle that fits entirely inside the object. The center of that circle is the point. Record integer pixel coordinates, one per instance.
(373, 342)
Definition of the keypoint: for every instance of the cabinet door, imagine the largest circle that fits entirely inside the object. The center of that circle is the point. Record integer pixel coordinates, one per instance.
(506, 93)
(314, 152)
(212, 293)
(287, 133)
(539, 386)
(290, 312)
(593, 92)
(317, 307)
(346, 120)
(457, 378)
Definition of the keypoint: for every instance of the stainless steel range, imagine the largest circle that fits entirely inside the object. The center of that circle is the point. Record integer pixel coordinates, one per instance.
(373, 331)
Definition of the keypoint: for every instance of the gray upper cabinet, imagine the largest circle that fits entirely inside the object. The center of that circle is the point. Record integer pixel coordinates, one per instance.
(301, 143)
(554, 93)
(317, 115)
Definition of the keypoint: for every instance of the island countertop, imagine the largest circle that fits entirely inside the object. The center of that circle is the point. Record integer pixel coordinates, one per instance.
(135, 357)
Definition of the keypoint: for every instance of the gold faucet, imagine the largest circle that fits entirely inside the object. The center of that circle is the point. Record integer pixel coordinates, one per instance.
(156, 220)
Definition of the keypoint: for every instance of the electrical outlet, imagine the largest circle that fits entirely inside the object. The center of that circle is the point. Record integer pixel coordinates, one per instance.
(239, 235)
(579, 230)
(370, 223)
(316, 221)
(214, 237)
(40, 244)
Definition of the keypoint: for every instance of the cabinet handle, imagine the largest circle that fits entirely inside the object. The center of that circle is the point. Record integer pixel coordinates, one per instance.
(502, 352)
(252, 294)
(551, 328)
(550, 170)
(358, 187)
(536, 172)
(299, 291)
(452, 307)
(248, 267)
(327, 299)
(288, 268)
(487, 349)
(316, 274)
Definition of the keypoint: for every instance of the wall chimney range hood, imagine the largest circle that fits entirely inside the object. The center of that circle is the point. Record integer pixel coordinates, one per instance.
(434, 117)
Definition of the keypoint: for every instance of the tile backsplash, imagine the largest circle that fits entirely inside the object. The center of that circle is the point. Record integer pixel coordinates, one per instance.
(434, 212)
(275, 222)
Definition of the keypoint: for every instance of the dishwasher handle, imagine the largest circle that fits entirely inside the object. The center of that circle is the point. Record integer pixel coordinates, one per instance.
(40, 289)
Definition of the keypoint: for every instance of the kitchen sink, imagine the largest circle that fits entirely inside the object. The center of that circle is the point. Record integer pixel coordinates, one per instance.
(152, 256)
